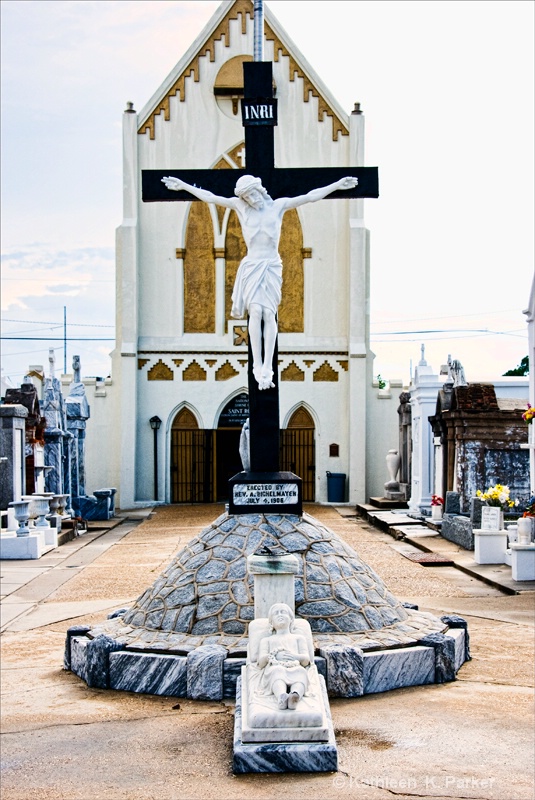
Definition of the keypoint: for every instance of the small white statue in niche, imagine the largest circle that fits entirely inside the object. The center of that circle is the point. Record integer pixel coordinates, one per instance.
(258, 285)
(284, 657)
(245, 446)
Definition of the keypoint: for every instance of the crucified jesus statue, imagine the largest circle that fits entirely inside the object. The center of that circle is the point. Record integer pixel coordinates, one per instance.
(258, 285)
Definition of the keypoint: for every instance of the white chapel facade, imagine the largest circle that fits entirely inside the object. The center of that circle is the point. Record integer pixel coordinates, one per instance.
(179, 355)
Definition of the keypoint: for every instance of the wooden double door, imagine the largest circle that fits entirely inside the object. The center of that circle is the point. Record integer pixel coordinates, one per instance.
(203, 460)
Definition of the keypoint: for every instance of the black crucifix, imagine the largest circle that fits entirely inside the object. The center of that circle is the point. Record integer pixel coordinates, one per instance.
(259, 117)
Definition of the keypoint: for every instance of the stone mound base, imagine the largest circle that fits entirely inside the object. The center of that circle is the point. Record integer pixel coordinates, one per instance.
(186, 636)
(205, 595)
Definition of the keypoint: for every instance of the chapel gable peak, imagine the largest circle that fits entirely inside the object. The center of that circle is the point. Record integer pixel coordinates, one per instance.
(219, 29)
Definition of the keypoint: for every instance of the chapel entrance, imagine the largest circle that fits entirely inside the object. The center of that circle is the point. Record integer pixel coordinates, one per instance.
(192, 460)
(298, 453)
(202, 461)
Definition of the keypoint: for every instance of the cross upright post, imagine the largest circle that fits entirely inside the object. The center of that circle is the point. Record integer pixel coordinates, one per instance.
(264, 488)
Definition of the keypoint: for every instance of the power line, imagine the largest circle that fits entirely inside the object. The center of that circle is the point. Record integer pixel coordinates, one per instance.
(450, 336)
(72, 285)
(59, 324)
(462, 331)
(30, 352)
(53, 339)
(47, 328)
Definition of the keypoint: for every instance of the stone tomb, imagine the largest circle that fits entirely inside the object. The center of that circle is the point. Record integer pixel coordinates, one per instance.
(262, 718)
(299, 724)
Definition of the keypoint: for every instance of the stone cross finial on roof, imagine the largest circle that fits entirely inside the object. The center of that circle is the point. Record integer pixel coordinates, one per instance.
(422, 362)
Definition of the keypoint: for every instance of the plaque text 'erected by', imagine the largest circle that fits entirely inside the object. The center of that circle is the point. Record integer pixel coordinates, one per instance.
(261, 494)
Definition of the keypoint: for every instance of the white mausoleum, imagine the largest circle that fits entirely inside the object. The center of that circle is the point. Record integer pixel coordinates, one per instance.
(179, 356)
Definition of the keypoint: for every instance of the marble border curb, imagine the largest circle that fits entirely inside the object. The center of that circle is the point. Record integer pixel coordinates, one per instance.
(207, 673)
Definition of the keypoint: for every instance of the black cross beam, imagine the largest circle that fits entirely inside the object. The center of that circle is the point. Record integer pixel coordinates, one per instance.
(260, 162)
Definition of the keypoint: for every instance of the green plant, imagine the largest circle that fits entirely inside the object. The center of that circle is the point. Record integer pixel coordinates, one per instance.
(381, 382)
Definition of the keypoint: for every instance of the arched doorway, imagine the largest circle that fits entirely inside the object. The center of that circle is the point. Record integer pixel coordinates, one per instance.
(231, 421)
(192, 461)
(202, 461)
(298, 453)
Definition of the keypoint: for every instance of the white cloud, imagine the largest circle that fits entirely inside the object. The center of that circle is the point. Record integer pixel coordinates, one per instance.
(38, 271)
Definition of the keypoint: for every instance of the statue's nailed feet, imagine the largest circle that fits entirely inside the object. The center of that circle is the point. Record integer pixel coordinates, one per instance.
(264, 377)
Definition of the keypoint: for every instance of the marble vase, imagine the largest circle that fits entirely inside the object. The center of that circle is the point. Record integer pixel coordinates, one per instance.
(53, 504)
(21, 510)
(62, 503)
(512, 534)
(524, 531)
(393, 463)
(41, 508)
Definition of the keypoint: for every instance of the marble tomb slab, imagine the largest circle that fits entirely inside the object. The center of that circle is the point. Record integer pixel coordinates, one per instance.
(283, 756)
(78, 652)
(21, 548)
(459, 636)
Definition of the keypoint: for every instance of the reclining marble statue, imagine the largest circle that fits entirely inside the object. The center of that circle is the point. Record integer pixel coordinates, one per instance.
(258, 285)
(282, 694)
(284, 657)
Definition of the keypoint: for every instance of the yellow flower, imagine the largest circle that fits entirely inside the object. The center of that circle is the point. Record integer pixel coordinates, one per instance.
(497, 496)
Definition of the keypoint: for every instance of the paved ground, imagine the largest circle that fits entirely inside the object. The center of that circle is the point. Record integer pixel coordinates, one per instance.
(63, 741)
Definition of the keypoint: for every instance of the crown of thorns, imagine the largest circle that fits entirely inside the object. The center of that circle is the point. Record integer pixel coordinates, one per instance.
(245, 183)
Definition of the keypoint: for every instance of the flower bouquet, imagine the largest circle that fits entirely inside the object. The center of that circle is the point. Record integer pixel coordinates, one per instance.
(528, 415)
(436, 506)
(498, 495)
(530, 508)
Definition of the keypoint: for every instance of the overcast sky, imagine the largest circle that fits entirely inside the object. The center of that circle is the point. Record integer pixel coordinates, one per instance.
(447, 91)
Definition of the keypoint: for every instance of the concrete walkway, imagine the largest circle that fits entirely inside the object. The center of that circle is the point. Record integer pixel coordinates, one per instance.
(469, 739)
(26, 585)
(419, 536)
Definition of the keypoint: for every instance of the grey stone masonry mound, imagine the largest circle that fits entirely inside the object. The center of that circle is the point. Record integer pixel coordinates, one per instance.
(205, 596)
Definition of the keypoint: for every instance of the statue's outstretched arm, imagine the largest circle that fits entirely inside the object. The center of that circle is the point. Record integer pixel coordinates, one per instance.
(178, 185)
(318, 194)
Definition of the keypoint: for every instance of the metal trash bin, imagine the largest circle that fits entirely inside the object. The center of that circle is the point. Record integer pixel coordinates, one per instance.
(336, 487)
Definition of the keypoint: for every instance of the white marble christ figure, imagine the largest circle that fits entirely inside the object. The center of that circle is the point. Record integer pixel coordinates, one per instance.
(258, 285)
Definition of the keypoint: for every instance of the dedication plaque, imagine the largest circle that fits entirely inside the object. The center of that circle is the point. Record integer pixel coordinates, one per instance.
(258, 494)
(491, 518)
(267, 492)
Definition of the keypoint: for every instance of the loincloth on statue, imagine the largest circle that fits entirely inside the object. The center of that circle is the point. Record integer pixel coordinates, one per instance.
(257, 281)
